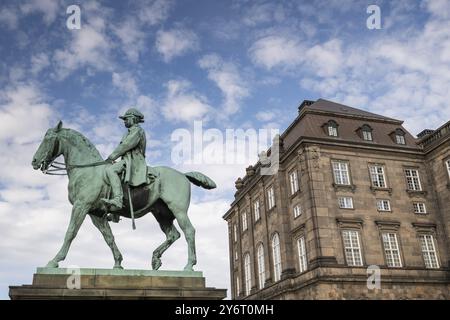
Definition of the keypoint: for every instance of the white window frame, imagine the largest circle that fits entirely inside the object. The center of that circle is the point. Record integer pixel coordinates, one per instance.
(297, 211)
(270, 198)
(429, 252)
(367, 135)
(400, 139)
(377, 176)
(247, 274)
(276, 253)
(332, 130)
(352, 248)
(244, 220)
(345, 202)
(302, 259)
(256, 210)
(236, 255)
(341, 172)
(235, 232)
(447, 164)
(417, 208)
(293, 180)
(261, 266)
(413, 180)
(381, 205)
(392, 250)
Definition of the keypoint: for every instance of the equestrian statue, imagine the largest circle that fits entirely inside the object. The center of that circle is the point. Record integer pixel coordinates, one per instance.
(106, 190)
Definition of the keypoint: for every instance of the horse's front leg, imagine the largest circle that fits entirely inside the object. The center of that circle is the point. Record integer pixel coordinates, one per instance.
(79, 212)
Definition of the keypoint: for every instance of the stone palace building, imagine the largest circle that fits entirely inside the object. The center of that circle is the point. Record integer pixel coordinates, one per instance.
(356, 199)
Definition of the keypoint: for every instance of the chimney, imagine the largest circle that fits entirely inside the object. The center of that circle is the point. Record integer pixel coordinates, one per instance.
(304, 104)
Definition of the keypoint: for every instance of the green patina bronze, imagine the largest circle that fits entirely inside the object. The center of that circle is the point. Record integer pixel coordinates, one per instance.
(161, 190)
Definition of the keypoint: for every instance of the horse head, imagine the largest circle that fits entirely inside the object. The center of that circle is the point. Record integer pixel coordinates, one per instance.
(48, 149)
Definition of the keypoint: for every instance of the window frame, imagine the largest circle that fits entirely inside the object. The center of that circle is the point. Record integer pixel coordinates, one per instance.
(300, 209)
(344, 207)
(358, 236)
(377, 174)
(383, 209)
(302, 256)
(261, 266)
(424, 207)
(340, 162)
(247, 274)
(412, 178)
(397, 240)
(256, 210)
(293, 183)
(436, 252)
(332, 128)
(276, 257)
(270, 199)
(244, 220)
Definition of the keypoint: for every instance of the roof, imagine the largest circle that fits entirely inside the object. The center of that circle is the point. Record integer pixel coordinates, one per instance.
(337, 108)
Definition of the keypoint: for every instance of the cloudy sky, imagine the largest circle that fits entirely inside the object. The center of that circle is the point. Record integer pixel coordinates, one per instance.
(235, 64)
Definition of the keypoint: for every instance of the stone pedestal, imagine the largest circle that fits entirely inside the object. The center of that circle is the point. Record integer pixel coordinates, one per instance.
(103, 284)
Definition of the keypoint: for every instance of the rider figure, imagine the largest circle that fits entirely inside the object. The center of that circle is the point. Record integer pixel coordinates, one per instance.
(132, 151)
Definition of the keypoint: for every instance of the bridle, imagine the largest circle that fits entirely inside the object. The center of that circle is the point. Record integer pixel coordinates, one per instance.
(55, 167)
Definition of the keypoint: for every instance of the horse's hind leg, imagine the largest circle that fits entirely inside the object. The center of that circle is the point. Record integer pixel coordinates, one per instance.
(172, 235)
(189, 233)
(103, 226)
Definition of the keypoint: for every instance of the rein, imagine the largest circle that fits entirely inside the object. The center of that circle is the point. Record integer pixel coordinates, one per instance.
(55, 167)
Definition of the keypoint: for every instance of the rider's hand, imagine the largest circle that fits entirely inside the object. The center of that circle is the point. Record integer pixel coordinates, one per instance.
(110, 160)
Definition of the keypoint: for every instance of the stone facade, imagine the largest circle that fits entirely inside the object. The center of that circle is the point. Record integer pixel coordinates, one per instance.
(390, 239)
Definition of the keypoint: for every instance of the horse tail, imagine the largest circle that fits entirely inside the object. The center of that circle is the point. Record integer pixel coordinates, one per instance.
(199, 179)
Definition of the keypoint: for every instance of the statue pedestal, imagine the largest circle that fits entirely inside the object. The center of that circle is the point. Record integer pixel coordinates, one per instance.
(104, 284)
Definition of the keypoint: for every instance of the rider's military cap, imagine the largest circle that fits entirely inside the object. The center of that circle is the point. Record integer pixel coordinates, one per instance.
(132, 112)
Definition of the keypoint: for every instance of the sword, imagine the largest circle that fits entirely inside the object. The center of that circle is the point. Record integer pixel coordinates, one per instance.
(131, 207)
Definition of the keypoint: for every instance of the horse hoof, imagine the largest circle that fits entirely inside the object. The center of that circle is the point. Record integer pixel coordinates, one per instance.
(156, 264)
(52, 264)
(188, 268)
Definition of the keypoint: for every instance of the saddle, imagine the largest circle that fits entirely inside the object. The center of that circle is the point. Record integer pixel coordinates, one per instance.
(140, 196)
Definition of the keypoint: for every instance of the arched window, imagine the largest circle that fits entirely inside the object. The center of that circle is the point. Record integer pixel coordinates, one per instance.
(276, 257)
(332, 128)
(247, 274)
(261, 266)
(366, 132)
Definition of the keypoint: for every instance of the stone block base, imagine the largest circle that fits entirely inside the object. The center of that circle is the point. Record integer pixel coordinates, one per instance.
(104, 284)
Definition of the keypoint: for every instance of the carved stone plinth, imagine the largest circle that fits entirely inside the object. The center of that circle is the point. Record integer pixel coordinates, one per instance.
(104, 284)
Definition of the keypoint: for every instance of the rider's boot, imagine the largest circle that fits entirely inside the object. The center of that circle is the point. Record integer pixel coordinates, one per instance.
(116, 203)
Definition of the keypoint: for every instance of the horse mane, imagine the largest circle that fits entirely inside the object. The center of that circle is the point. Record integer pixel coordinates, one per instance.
(79, 139)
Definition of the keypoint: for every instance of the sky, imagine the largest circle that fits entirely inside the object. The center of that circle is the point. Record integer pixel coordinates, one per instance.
(227, 65)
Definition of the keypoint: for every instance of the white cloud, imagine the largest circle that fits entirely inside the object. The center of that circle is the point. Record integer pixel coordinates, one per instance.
(39, 62)
(265, 115)
(176, 42)
(326, 59)
(277, 51)
(153, 12)
(48, 8)
(226, 76)
(183, 104)
(9, 17)
(439, 8)
(125, 82)
(132, 38)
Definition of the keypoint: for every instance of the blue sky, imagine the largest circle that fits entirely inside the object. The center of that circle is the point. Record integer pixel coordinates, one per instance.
(231, 64)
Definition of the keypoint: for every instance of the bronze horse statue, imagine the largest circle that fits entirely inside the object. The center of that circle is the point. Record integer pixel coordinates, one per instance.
(167, 197)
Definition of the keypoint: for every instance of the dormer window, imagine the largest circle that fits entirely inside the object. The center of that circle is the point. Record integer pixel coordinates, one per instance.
(332, 128)
(366, 133)
(400, 136)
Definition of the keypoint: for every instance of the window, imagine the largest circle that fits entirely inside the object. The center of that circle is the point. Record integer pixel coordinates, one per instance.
(413, 180)
(256, 210)
(261, 267)
(345, 202)
(302, 254)
(383, 205)
(276, 257)
(429, 251)
(244, 221)
(332, 128)
(247, 274)
(419, 207)
(352, 248)
(447, 163)
(293, 181)
(236, 256)
(377, 176)
(366, 132)
(297, 211)
(340, 171)
(238, 286)
(391, 250)
(400, 138)
(235, 232)
(271, 198)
